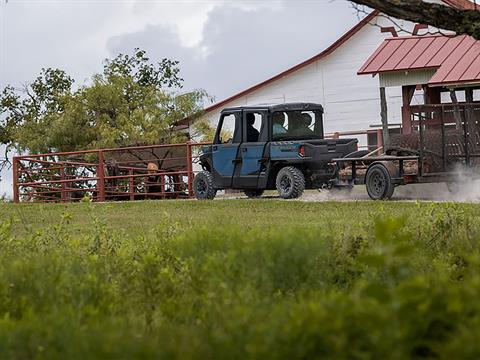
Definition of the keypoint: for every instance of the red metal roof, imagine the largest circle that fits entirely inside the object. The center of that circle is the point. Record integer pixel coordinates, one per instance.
(456, 58)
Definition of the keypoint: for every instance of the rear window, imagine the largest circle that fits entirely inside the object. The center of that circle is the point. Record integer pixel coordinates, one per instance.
(297, 125)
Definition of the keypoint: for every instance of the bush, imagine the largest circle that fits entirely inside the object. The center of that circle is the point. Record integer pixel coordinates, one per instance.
(384, 287)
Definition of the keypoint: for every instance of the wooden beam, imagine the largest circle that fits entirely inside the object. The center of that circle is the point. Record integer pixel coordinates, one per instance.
(384, 118)
(407, 95)
(456, 110)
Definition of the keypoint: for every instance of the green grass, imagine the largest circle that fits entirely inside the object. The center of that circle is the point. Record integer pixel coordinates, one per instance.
(240, 279)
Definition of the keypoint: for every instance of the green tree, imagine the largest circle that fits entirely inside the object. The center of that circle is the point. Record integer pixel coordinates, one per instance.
(131, 102)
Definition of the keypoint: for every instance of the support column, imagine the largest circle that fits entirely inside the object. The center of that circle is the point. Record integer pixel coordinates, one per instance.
(384, 118)
(456, 110)
(469, 111)
(407, 95)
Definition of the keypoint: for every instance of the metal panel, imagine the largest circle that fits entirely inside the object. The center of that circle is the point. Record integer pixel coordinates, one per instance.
(453, 56)
(401, 78)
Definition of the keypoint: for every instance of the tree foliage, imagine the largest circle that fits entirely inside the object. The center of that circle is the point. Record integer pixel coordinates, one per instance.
(461, 21)
(132, 101)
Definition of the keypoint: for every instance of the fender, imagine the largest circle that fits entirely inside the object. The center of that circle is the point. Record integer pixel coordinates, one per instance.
(389, 165)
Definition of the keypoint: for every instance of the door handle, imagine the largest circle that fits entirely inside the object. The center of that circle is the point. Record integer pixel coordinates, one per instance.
(244, 149)
(215, 148)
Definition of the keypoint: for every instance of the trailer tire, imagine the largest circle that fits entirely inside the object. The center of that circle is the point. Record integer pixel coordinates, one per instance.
(290, 183)
(454, 187)
(204, 186)
(379, 183)
(252, 194)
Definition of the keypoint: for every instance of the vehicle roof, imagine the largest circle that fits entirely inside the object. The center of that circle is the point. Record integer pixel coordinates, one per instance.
(278, 107)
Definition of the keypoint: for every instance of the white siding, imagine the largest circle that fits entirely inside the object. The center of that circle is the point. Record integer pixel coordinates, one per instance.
(351, 102)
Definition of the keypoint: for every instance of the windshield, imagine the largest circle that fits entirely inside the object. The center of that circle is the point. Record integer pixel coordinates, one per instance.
(297, 125)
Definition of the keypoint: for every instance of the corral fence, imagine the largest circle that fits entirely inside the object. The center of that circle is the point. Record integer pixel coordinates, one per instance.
(445, 135)
(107, 174)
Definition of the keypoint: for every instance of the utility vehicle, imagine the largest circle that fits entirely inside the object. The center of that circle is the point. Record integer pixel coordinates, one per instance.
(259, 148)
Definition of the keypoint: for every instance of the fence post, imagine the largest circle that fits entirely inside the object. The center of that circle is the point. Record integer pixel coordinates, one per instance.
(64, 185)
(190, 168)
(101, 177)
(131, 185)
(379, 138)
(16, 198)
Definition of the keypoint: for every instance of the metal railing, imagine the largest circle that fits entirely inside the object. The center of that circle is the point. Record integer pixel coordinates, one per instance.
(446, 134)
(107, 174)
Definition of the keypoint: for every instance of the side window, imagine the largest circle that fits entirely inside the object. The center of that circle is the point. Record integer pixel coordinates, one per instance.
(279, 124)
(229, 132)
(254, 126)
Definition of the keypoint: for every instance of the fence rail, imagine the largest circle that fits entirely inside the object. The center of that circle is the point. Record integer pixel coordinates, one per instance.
(107, 174)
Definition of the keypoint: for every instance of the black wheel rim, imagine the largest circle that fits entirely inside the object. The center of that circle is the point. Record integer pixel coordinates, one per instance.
(201, 187)
(285, 184)
(377, 184)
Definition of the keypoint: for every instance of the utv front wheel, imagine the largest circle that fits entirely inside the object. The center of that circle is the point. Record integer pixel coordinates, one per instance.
(251, 194)
(204, 186)
(290, 183)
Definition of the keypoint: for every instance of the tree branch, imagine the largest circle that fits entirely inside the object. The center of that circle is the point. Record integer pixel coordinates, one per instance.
(440, 16)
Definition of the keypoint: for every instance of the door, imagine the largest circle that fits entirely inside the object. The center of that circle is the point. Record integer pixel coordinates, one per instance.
(225, 148)
(251, 151)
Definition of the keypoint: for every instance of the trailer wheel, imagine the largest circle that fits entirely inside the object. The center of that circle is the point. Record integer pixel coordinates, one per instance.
(252, 194)
(204, 186)
(454, 187)
(290, 183)
(379, 183)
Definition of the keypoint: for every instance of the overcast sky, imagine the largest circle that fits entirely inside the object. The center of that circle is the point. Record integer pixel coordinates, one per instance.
(223, 46)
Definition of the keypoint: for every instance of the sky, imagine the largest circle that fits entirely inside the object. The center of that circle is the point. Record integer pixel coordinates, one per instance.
(223, 46)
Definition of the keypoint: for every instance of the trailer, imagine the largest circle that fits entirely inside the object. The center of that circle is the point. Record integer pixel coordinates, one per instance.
(439, 139)
(438, 150)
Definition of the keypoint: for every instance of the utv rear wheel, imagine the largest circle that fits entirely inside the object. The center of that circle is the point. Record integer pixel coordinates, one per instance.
(290, 183)
(204, 186)
(379, 183)
(252, 194)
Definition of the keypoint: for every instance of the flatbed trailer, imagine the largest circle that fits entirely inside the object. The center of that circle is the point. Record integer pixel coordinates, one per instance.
(444, 147)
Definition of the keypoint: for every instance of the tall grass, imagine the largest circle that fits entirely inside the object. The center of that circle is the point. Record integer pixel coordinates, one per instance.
(385, 284)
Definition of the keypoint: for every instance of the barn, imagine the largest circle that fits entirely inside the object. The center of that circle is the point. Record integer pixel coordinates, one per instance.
(351, 102)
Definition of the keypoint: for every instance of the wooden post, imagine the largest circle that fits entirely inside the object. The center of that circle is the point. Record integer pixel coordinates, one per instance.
(16, 197)
(131, 185)
(469, 111)
(379, 138)
(407, 95)
(101, 177)
(456, 110)
(190, 169)
(63, 196)
(384, 117)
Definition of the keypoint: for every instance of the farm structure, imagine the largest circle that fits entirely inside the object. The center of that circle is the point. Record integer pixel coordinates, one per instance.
(438, 139)
(132, 173)
(351, 103)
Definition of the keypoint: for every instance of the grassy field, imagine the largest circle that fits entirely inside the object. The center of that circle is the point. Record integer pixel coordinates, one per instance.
(240, 279)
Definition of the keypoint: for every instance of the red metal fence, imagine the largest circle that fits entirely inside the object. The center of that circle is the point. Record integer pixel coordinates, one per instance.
(107, 174)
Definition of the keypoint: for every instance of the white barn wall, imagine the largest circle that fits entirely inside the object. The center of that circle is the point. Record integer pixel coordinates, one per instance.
(351, 102)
